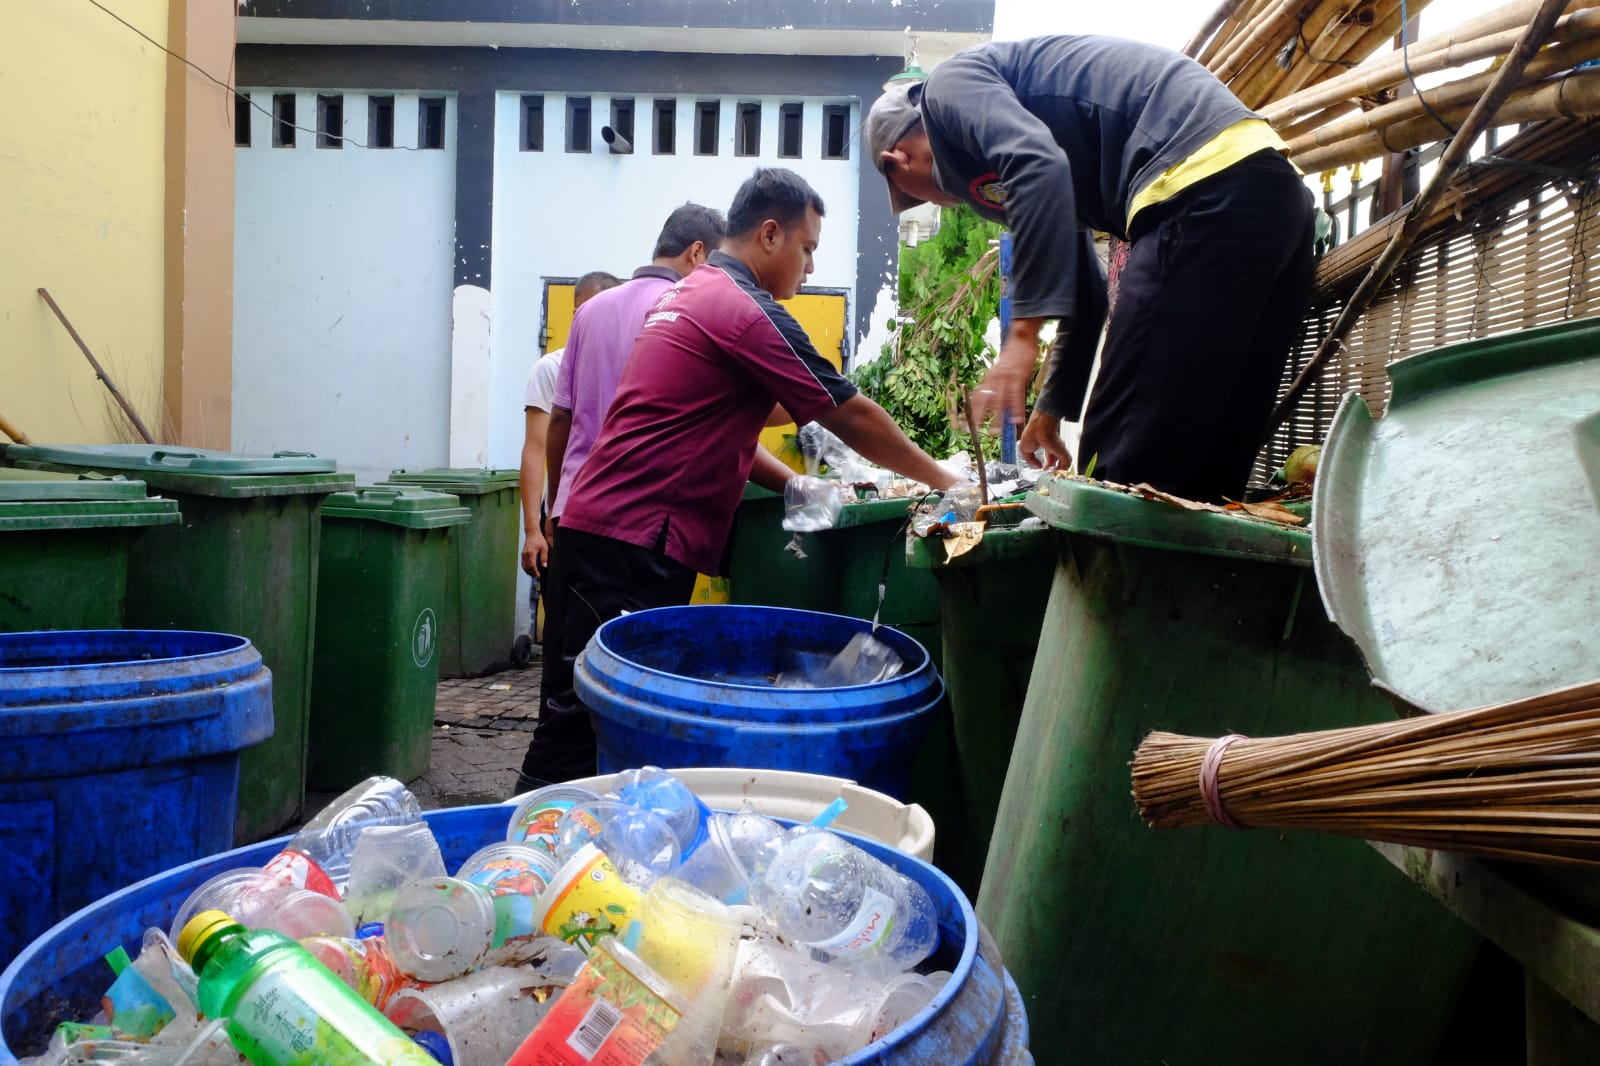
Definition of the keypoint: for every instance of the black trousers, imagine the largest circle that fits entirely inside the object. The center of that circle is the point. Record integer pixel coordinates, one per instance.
(591, 580)
(1208, 305)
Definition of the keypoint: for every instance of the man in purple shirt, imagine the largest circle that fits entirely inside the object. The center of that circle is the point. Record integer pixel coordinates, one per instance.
(655, 500)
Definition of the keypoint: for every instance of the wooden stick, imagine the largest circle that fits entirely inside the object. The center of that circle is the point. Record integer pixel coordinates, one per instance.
(1573, 96)
(1505, 81)
(1426, 57)
(10, 430)
(99, 371)
(977, 448)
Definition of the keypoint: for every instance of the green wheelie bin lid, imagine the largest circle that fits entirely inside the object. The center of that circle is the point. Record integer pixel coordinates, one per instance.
(412, 508)
(201, 471)
(459, 480)
(38, 499)
(1078, 505)
(1457, 535)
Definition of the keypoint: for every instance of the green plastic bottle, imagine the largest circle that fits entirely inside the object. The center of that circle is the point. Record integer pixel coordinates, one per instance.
(284, 1008)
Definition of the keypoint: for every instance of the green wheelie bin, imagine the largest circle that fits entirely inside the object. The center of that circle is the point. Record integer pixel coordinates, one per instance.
(380, 609)
(991, 607)
(64, 543)
(242, 561)
(479, 624)
(1196, 947)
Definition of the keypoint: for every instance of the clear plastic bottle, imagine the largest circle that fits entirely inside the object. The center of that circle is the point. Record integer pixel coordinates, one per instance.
(283, 1007)
(825, 892)
(318, 857)
(443, 927)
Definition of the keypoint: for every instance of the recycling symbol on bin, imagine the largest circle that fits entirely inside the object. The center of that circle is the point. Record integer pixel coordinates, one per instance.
(423, 637)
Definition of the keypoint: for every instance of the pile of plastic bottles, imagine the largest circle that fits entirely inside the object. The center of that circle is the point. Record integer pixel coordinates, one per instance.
(635, 927)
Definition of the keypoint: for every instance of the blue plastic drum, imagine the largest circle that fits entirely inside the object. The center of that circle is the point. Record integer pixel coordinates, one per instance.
(694, 686)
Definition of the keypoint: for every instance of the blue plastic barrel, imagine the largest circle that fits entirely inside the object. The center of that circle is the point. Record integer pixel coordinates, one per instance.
(976, 1018)
(693, 686)
(119, 758)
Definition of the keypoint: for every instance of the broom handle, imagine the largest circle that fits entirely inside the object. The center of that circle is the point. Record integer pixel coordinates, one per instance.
(12, 431)
(99, 371)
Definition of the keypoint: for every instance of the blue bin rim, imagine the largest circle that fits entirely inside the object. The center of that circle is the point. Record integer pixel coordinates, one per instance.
(257, 854)
(217, 659)
(621, 621)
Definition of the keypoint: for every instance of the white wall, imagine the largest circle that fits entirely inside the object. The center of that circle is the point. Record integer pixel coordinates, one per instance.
(560, 214)
(343, 267)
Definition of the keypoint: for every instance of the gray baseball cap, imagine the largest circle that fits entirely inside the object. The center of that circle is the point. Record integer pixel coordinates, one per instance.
(891, 116)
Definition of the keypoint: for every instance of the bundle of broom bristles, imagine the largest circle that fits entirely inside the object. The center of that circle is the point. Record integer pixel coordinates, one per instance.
(1326, 74)
(1518, 780)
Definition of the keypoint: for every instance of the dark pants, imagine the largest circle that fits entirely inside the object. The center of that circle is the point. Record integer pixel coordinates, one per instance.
(1207, 308)
(591, 580)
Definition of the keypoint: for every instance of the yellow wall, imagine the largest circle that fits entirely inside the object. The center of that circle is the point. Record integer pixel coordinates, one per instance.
(81, 166)
(821, 314)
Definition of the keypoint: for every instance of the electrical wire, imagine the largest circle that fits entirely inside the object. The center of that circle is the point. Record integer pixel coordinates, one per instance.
(235, 93)
(1405, 61)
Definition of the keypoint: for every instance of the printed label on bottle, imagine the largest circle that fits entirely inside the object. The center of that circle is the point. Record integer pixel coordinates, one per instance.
(866, 930)
(300, 871)
(609, 1016)
(275, 1019)
(538, 825)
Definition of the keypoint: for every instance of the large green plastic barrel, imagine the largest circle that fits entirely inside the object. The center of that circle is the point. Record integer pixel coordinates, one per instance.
(243, 560)
(1196, 946)
(64, 543)
(991, 607)
(380, 609)
(480, 621)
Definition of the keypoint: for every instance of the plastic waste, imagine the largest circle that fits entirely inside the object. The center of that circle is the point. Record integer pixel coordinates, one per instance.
(481, 1019)
(363, 964)
(662, 794)
(386, 857)
(283, 1007)
(537, 814)
(811, 503)
(443, 927)
(260, 899)
(691, 940)
(587, 900)
(738, 848)
(201, 1045)
(638, 842)
(864, 660)
(825, 892)
(318, 856)
(618, 1012)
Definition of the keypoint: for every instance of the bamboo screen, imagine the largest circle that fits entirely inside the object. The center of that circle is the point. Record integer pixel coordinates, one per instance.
(1520, 247)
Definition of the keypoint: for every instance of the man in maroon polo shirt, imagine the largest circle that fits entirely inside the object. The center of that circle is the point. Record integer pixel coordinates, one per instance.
(654, 502)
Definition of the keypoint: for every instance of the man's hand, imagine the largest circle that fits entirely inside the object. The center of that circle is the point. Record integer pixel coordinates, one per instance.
(1004, 390)
(535, 552)
(1043, 433)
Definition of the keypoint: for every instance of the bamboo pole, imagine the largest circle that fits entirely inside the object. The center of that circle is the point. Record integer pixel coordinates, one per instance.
(1267, 34)
(1426, 57)
(1575, 96)
(1451, 97)
(1381, 33)
(100, 372)
(1311, 122)
(1228, 35)
(1211, 26)
(1505, 80)
(1326, 51)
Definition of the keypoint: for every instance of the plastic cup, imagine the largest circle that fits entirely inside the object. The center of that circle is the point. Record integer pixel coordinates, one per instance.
(221, 893)
(587, 899)
(536, 814)
(507, 867)
(385, 858)
(439, 928)
(484, 1017)
(300, 912)
(664, 795)
(738, 848)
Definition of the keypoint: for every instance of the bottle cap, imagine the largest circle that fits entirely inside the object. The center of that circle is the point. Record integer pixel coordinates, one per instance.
(434, 1044)
(201, 928)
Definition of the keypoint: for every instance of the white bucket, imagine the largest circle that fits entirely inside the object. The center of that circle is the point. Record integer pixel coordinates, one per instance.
(801, 797)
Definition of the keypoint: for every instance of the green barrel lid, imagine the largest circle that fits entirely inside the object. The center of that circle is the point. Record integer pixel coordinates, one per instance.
(413, 508)
(201, 471)
(37, 499)
(461, 480)
(1086, 507)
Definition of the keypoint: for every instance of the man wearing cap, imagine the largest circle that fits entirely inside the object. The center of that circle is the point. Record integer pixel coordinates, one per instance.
(1057, 137)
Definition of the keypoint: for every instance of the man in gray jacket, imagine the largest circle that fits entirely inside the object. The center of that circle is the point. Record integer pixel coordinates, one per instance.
(1057, 137)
